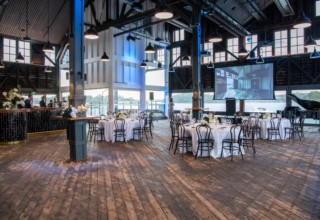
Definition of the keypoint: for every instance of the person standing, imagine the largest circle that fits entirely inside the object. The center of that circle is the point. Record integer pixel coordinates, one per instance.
(171, 107)
(28, 102)
(43, 102)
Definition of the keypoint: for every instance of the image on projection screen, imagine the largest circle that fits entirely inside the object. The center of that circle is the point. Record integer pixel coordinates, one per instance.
(251, 82)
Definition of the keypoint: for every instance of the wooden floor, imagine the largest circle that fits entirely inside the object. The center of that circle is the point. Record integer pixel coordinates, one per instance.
(143, 180)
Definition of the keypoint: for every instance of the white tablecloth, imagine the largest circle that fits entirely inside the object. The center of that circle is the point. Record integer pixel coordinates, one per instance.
(265, 124)
(218, 132)
(109, 127)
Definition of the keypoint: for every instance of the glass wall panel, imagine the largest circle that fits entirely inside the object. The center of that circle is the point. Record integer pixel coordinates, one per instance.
(97, 99)
(125, 100)
(279, 103)
(158, 102)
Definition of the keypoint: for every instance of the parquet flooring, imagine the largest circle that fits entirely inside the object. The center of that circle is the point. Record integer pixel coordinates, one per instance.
(143, 180)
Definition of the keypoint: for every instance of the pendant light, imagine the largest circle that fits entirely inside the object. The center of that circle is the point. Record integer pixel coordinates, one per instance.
(215, 37)
(210, 65)
(2, 66)
(163, 12)
(27, 38)
(143, 64)
(91, 33)
(185, 58)
(260, 60)
(150, 49)
(19, 58)
(48, 47)
(48, 69)
(310, 43)
(315, 54)
(242, 51)
(302, 22)
(104, 57)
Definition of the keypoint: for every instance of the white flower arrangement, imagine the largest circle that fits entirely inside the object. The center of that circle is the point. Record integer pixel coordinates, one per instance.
(121, 115)
(12, 98)
(82, 108)
(132, 111)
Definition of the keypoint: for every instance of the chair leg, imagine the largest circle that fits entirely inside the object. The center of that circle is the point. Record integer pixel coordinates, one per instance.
(177, 143)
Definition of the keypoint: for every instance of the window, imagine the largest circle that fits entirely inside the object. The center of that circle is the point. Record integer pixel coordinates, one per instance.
(175, 54)
(297, 41)
(233, 47)
(65, 58)
(24, 49)
(208, 47)
(318, 8)
(266, 51)
(97, 99)
(9, 50)
(182, 100)
(281, 43)
(219, 57)
(279, 103)
(250, 43)
(52, 56)
(126, 100)
(178, 35)
(160, 56)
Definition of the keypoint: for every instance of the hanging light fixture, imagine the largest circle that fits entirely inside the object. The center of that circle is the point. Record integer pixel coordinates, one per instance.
(19, 58)
(315, 54)
(242, 51)
(310, 43)
(163, 12)
(150, 49)
(259, 60)
(210, 65)
(302, 22)
(186, 58)
(158, 39)
(2, 66)
(48, 69)
(48, 47)
(104, 57)
(143, 64)
(215, 37)
(91, 33)
(171, 69)
(27, 38)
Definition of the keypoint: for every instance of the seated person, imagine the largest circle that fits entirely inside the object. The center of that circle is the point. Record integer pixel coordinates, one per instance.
(50, 103)
(43, 102)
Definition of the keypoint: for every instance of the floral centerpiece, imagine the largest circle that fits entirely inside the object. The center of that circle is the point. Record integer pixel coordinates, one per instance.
(12, 98)
(205, 121)
(121, 115)
(82, 109)
(213, 119)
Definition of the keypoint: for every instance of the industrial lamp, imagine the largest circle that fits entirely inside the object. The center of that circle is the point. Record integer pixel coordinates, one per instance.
(260, 60)
(310, 43)
(104, 57)
(19, 58)
(210, 65)
(150, 49)
(243, 51)
(302, 22)
(91, 33)
(48, 47)
(215, 38)
(163, 13)
(315, 54)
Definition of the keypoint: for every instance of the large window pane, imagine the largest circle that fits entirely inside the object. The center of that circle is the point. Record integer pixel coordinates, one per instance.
(97, 100)
(279, 103)
(125, 100)
(182, 101)
(157, 104)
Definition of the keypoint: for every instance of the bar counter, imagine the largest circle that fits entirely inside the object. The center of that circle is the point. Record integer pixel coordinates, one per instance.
(15, 124)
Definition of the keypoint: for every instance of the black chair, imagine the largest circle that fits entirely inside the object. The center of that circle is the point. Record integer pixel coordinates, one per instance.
(94, 130)
(148, 125)
(296, 127)
(139, 131)
(255, 125)
(205, 141)
(174, 134)
(289, 131)
(119, 131)
(247, 136)
(233, 143)
(183, 140)
(274, 130)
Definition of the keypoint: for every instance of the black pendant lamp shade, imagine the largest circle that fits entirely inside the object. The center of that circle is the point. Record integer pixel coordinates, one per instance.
(143, 64)
(48, 70)
(150, 49)
(1, 65)
(302, 22)
(19, 58)
(215, 38)
(243, 51)
(48, 47)
(105, 57)
(260, 60)
(315, 54)
(91, 33)
(210, 65)
(163, 13)
(186, 58)
(310, 43)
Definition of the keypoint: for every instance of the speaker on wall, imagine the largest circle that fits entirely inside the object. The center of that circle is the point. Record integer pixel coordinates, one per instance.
(230, 106)
(151, 96)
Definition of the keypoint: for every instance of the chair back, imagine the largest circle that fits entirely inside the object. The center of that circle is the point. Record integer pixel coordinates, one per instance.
(292, 120)
(173, 128)
(203, 132)
(246, 129)
(141, 123)
(235, 133)
(181, 130)
(301, 122)
(119, 124)
(275, 122)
